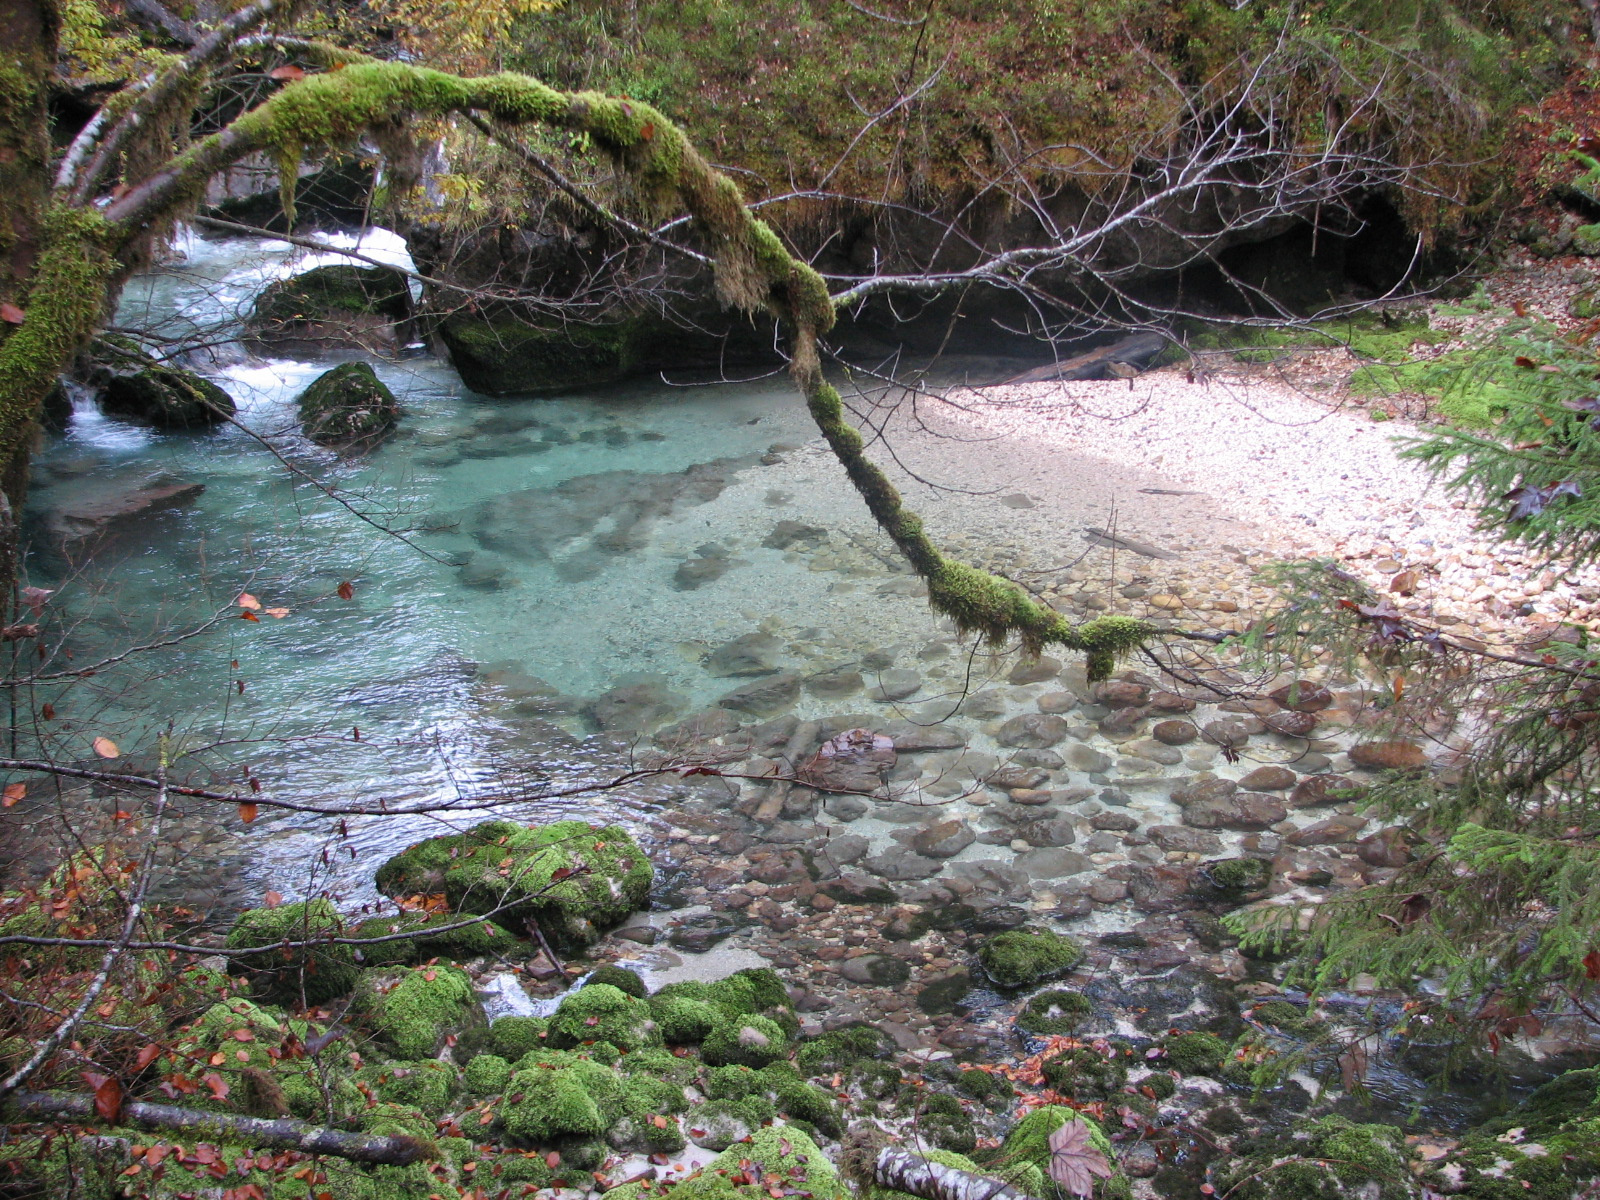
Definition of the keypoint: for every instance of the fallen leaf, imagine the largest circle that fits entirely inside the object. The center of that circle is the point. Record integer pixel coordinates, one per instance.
(272, 899)
(246, 600)
(346, 590)
(106, 748)
(288, 73)
(1074, 1159)
(277, 614)
(11, 314)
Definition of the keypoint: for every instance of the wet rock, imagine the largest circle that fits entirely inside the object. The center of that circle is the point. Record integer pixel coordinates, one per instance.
(1392, 847)
(1056, 831)
(338, 307)
(846, 808)
(1242, 811)
(1269, 779)
(751, 654)
(1120, 693)
(855, 760)
(636, 706)
(1174, 733)
(895, 684)
(997, 918)
(701, 569)
(1327, 833)
(843, 849)
(1184, 840)
(1325, 789)
(1120, 723)
(1086, 758)
(1291, 724)
(348, 406)
(764, 698)
(1053, 863)
(1161, 888)
(1302, 696)
(1171, 702)
(902, 864)
(700, 934)
(113, 509)
(1155, 751)
(946, 839)
(1204, 789)
(702, 727)
(1030, 796)
(485, 573)
(794, 533)
(875, 970)
(1389, 756)
(944, 993)
(1008, 778)
(835, 684)
(858, 889)
(1034, 731)
(1232, 733)
(910, 738)
(1114, 820)
(1035, 670)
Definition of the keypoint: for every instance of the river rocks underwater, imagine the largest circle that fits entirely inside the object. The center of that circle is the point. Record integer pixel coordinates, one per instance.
(985, 899)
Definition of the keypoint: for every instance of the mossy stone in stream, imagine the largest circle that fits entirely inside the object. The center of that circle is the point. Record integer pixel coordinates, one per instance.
(1054, 1012)
(620, 978)
(602, 1013)
(1195, 1053)
(944, 994)
(309, 974)
(501, 355)
(839, 1049)
(1329, 1158)
(1239, 875)
(414, 1012)
(1027, 1146)
(486, 1075)
(1020, 958)
(348, 406)
(1085, 1073)
(785, 1151)
(683, 1020)
(1546, 1148)
(574, 879)
(579, 1100)
(340, 290)
(473, 940)
(751, 1041)
(512, 1037)
(941, 1120)
(167, 398)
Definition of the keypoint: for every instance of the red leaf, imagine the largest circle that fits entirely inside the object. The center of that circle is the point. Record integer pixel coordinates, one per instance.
(107, 1095)
(1591, 960)
(249, 616)
(48, 712)
(147, 1056)
(346, 590)
(247, 812)
(272, 899)
(552, 1160)
(13, 793)
(1525, 362)
(11, 314)
(288, 74)
(219, 1091)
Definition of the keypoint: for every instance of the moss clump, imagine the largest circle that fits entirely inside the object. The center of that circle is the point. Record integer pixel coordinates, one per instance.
(510, 871)
(1054, 1012)
(1280, 1014)
(840, 1049)
(1325, 1159)
(471, 941)
(940, 1119)
(659, 1063)
(683, 1021)
(486, 1075)
(309, 974)
(784, 1151)
(1019, 958)
(1160, 1085)
(1239, 874)
(512, 1037)
(751, 1041)
(427, 1086)
(1027, 1147)
(582, 1100)
(982, 1085)
(809, 1103)
(348, 406)
(602, 1013)
(1195, 1053)
(267, 1083)
(1547, 1147)
(1086, 1074)
(414, 1013)
(620, 978)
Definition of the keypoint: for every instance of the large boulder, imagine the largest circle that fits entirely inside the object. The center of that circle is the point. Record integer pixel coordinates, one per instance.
(574, 879)
(347, 406)
(498, 356)
(333, 308)
(151, 393)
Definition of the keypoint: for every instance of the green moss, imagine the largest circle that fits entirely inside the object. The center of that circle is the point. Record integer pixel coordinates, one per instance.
(809, 1103)
(1325, 1159)
(660, 1064)
(734, 1082)
(602, 1013)
(1195, 1053)
(476, 940)
(1239, 874)
(1027, 1147)
(340, 290)
(497, 356)
(620, 978)
(984, 1086)
(347, 405)
(1280, 1014)
(941, 1120)
(1020, 958)
(683, 1021)
(427, 1086)
(415, 1013)
(840, 1049)
(580, 1100)
(310, 974)
(486, 1075)
(512, 1037)
(167, 398)
(266, 1081)
(509, 870)
(754, 990)
(1085, 1074)
(751, 1041)
(1054, 1012)
(784, 1151)
(1160, 1084)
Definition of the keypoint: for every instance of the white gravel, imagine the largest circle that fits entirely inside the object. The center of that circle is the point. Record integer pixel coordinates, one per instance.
(1311, 468)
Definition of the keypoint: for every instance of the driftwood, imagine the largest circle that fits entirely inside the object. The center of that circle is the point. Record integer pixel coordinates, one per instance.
(1133, 351)
(1115, 541)
(902, 1171)
(281, 1133)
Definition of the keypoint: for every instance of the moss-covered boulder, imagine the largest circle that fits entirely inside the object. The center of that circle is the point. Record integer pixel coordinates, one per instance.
(683, 1020)
(424, 939)
(1086, 1073)
(166, 397)
(348, 406)
(1024, 1157)
(580, 1099)
(265, 1081)
(1329, 1158)
(1546, 1148)
(620, 978)
(840, 1049)
(501, 355)
(486, 1075)
(576, 880)
(306, 974)
(412, 1012)
(750, 1041)
(332, 308)
(1195, 1053)
(513, 1037)
(1053, 1012)
(602, 1013)
(1021, 958)
(739, 1171)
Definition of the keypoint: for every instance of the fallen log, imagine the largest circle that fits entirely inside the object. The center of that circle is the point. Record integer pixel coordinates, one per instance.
(903, 1171)
(1135, 351)
(282, 1133)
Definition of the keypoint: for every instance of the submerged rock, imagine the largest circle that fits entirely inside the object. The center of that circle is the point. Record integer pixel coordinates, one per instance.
(1022, 958)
